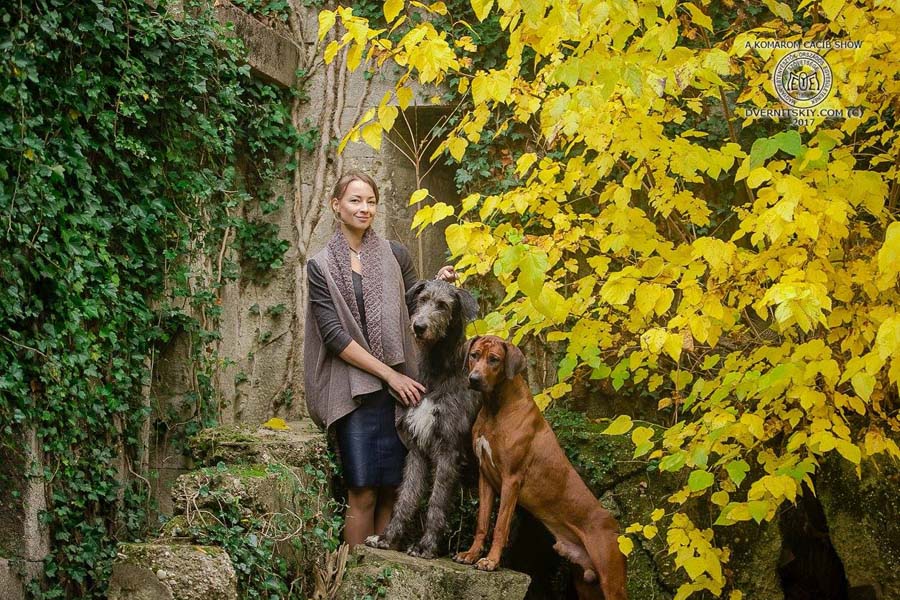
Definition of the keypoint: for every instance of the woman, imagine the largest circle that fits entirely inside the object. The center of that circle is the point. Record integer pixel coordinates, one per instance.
(359, 352)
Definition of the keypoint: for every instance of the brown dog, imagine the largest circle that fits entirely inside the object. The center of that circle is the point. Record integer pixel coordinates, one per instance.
(520, 458)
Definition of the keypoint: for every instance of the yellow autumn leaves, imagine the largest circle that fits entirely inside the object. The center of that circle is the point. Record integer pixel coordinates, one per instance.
(768, 320)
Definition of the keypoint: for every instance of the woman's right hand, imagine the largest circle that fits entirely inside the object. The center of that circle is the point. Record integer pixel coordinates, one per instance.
(407, 389)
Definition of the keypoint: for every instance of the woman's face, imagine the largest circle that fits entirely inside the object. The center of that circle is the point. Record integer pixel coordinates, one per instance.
(357, 206)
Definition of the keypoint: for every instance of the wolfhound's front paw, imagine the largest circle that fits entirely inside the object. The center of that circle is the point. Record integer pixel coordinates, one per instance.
(467, 558)
(377, 541)
(421, 550)
(486, 564)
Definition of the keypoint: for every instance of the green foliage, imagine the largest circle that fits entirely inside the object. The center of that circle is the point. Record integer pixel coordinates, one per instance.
(377, 586)
(279, 9)
(261, 247)
(260, 574)
(274, 555)
(120, 129)
(580, 441)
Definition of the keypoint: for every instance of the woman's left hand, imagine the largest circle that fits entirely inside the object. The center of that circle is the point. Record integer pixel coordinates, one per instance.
(447, 273)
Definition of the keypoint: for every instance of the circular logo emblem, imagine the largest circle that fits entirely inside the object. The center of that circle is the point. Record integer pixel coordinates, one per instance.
(802, 79)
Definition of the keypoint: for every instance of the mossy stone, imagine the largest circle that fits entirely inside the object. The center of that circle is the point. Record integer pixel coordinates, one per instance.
(164, 571)
(416, 578)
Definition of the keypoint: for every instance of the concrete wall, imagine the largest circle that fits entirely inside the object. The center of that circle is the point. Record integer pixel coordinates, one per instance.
(260, 351)
(24, 542)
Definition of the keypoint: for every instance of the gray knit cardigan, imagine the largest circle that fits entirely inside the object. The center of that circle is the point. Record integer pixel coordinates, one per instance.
(332, 385)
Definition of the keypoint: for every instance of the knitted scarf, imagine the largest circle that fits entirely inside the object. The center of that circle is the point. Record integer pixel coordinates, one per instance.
(341, 272)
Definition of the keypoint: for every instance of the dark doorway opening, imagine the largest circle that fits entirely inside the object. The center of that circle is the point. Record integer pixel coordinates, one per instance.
(809, 567)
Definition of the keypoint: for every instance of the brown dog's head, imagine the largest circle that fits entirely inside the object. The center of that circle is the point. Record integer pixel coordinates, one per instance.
(490, 361)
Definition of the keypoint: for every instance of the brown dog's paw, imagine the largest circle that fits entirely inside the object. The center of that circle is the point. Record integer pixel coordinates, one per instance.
(466, 558)
(486, 564)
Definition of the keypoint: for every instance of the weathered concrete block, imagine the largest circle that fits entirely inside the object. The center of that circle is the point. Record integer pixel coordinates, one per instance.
(172, 572)
(275, 480)
(272, 57)
(22, 498)
(415, 578)
(10, 581)
(301, 445)
(24, 540)
(257, 489)
(862, 522)
(15, 575)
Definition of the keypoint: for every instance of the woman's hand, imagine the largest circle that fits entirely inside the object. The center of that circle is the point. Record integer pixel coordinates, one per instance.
(407, 389)
(447, 273)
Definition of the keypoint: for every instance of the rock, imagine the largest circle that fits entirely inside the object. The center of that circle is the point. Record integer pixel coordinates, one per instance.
(10, 581)
(264, 471)
(276, 498)
(754, 560)
(192, 573)
(258, 489)
(862, 522)
(272, 487)
(301, 445)
(404, 577)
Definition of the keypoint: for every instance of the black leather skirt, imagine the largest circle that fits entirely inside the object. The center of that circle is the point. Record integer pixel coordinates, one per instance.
(372, 454)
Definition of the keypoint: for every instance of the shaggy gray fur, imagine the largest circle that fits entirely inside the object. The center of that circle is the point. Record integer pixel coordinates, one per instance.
(439, 429)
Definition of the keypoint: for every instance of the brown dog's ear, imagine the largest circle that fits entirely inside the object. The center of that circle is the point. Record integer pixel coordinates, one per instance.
(515, 360)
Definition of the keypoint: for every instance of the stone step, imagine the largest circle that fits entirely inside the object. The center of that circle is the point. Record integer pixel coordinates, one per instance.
(256, 489)
(300, 445)
(159, 571)
(404, 577)
(260, 469)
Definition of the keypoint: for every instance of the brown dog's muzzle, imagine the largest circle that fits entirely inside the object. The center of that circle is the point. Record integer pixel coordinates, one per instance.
(482, 377)
(476, 381)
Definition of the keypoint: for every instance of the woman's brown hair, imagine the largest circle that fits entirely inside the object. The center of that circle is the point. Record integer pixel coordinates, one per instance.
(341, 186)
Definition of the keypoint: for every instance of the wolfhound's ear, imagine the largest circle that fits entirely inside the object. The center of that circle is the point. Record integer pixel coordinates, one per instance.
(468, 303)
(515, 360)
(412, 294)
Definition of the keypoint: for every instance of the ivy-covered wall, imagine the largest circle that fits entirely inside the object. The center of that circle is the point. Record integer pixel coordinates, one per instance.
(157, 205)
(122, 138)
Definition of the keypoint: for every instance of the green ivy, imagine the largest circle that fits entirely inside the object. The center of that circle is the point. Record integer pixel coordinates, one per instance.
(377, 586)
(261, 247)
(582, 445)
(274, 555)
(120, 135)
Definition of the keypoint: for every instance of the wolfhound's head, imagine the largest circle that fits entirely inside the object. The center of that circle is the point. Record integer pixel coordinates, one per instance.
(439, 308)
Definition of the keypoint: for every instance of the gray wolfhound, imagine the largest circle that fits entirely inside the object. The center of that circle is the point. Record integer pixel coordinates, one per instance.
(438, 431)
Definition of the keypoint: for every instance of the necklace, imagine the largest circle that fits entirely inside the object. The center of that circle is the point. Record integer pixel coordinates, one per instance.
(357, 253)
